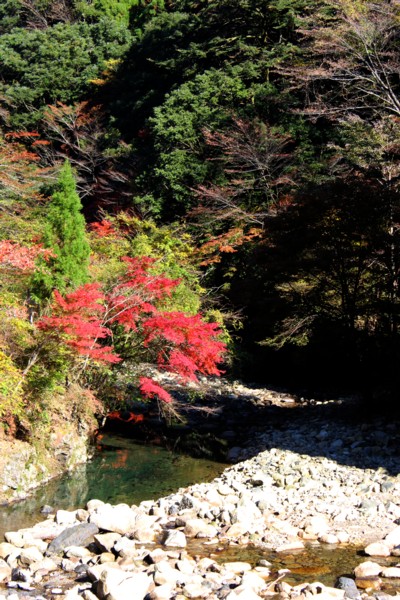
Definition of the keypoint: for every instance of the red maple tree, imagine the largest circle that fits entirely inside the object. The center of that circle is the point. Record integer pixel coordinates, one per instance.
(79, 316)
(182, 344)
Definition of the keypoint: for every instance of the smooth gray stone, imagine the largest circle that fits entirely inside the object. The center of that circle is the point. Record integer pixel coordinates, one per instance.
(46, 509)
(78, 535)
(350, 589)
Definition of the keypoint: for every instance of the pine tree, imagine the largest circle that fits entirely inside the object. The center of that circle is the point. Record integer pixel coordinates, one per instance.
(65, 236)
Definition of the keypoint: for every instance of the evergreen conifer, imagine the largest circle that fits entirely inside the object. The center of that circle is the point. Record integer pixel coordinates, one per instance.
(65, 235)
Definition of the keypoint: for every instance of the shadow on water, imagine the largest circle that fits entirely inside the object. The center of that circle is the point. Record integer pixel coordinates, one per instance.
(121, 471)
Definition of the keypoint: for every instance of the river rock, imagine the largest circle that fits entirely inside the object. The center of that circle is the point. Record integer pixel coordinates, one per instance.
(46, 530)
(45, 566)
(263, 572)
(164, 574)
(196, 590)
(146, 528)
(343, 537)
(82, 515)
(12, 559)
(242, 593)
(238, 567)
(16, 538)
(41, 545)
(155, 556)
(318, 589)
(77, 552)
(66, 517)
(185, 566)
(6, 549)
(46, 509)
(205, 564)
(19, 574)
(78, 535)
(68, 565)
(94, 571)
(393, 538)
(349, 587)
(106, 557)
(199, 528)
(119, 519)
(253, 581)
(290, 546)
(174, 537)
(367, 569)
(5, 572)
(369, 583)
(125, 547)
(105, 541)
(118, 585)
(316, 525)
(236, 530)
(266, 500)
(94, 504)
(329, 538)
(30, 555)
(393, 572)
(162, 592)
(377, 549)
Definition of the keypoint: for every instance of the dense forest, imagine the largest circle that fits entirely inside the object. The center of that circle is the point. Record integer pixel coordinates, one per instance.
(204, 185)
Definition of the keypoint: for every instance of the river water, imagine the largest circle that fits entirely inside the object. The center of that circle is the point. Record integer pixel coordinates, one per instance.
(120, 471)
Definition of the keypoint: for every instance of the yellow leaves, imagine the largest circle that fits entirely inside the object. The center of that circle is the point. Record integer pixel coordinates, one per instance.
(298, 287)
(148, 239)
(98, 81)
(15, 329)
(354, 8)
(108, 73)
(11, 399)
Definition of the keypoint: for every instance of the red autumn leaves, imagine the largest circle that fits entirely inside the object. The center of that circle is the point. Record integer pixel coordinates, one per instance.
(183, 344)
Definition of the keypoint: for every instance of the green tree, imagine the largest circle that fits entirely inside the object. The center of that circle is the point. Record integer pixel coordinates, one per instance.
(194, 65)
(123, 11)
(56, 64)
(65, 235)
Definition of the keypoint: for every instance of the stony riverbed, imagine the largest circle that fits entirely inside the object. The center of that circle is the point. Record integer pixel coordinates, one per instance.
(307, 474)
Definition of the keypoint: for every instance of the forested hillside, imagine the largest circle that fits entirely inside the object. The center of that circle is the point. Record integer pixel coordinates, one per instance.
(201, 185)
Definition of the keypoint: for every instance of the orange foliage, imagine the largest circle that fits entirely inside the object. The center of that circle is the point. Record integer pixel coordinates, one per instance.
(20, 173)
(211, 252)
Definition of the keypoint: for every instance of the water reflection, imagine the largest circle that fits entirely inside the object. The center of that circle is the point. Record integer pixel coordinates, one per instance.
(121, 471)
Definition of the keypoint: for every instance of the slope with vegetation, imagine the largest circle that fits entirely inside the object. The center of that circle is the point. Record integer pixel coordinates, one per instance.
(182, 176)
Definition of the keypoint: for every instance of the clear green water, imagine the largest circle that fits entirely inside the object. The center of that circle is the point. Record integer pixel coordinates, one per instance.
(121, 471)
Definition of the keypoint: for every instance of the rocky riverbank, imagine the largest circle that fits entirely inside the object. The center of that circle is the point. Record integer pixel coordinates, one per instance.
(60, 441)
(311, 474)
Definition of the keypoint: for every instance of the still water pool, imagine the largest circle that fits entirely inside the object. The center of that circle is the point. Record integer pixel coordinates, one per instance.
(120, 471)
